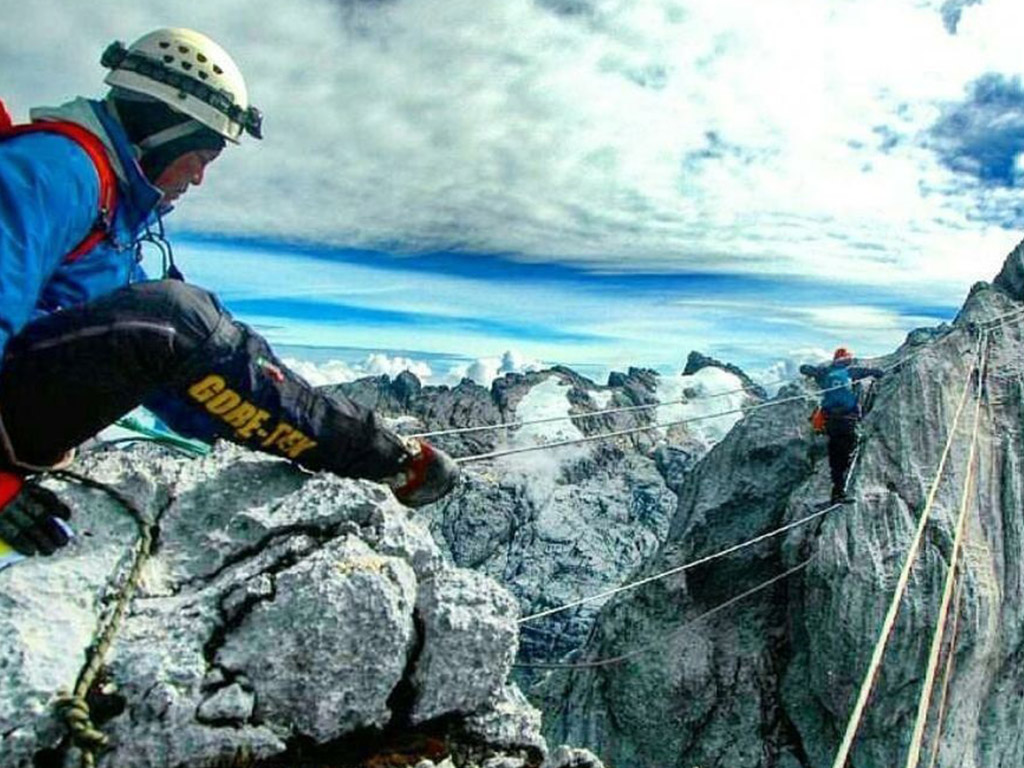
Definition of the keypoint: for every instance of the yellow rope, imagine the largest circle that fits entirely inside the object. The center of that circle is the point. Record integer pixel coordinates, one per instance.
(924, 704)
(890, 619)
(947, 674)
(73, 707)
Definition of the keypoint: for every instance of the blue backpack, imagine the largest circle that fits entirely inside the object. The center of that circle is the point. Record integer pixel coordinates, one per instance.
(839, 397)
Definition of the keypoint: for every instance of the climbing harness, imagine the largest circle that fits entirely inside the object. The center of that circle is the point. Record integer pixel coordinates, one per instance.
(73, 706)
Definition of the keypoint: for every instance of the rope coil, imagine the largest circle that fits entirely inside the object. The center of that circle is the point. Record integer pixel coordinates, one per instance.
(73, 707)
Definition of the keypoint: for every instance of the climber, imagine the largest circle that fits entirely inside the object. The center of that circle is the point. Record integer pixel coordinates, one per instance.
(86, 337)
(842, 412)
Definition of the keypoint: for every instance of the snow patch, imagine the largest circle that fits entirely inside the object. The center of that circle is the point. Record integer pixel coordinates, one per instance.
(539, 471)
(709, 391)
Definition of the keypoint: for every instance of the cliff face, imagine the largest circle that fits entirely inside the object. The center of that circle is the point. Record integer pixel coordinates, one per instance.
(770, 681)
(282, 619)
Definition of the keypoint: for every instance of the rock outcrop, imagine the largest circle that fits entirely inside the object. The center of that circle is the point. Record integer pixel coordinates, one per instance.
(770, 680)
(282, 619)
(569, 522)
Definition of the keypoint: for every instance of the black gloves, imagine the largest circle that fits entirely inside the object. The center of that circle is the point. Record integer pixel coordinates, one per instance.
(30, 521)
(427, 474)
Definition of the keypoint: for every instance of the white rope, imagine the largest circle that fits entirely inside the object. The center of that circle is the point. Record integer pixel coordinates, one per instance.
(890, 618)
(630, 431)
(650, 427)
(679, 568)
(643, 407)
(589, 414)
(651, 646)
(924, 704)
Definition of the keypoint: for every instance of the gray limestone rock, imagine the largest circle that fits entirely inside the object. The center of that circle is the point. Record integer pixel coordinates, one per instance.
(770, 680)
(232, 703)
(325, 653)
(469, 643)
(276, 604)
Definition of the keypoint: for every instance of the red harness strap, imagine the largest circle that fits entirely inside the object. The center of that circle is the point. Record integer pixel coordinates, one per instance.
(97, 152)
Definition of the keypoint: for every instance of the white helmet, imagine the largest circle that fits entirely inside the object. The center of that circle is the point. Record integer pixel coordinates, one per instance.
(191, 74)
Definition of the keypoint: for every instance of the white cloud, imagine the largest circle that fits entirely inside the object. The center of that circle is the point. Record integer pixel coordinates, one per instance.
(485, 370)
(650, 134)
(375, 364)
(787, 369)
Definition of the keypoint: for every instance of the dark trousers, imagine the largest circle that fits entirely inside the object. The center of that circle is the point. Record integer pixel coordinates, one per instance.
(842, 439)
(68, 375)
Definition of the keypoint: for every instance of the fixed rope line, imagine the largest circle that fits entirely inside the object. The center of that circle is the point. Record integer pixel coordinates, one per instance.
(651, 427)
(634, 430)
(890, 618)
(924, 704)
(947, 676)
(73, 706)
(646, 406)
(589, 414)
(668, 638)
(679, 568)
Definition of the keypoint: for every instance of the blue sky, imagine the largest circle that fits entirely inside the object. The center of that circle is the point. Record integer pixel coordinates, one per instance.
(599, 183)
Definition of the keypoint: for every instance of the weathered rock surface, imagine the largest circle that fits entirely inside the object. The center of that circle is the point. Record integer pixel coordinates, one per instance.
(282, 617)
(570, 522)
(769, 681)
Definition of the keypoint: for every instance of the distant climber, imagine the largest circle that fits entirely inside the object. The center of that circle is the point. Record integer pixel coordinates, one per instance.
(85, 336)
(842, 412)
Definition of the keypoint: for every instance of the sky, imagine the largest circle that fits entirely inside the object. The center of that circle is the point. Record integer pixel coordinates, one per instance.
(468, 187)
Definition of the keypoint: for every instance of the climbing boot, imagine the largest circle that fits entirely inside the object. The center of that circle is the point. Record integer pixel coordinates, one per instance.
(427, 474)
(31, 517)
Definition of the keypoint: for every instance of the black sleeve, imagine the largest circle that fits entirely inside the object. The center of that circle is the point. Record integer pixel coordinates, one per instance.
(863, 373)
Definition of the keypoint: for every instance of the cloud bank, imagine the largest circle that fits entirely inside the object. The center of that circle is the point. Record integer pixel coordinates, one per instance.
(780, 136)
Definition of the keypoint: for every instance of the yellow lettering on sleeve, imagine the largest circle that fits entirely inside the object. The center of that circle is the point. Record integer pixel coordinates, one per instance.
(281, 429)
(206, 388)
(253, 424)
(224, 402)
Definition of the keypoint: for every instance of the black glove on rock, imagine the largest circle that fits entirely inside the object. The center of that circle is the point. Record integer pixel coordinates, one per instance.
(29, 522)
(427, 474)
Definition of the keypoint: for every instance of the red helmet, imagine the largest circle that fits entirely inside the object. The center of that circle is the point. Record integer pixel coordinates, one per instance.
(842, 353)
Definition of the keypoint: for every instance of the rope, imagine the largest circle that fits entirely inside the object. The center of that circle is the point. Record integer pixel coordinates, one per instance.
(947, 675)
(73, 706)
(668, 638)
(649, 406)
(590, 414)
(631, 431)
(680, 568)
(650, 427)
(914, 755)
(890, 618)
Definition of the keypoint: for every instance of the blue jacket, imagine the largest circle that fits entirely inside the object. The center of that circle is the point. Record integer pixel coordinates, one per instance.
(49, 201)
(820, 374)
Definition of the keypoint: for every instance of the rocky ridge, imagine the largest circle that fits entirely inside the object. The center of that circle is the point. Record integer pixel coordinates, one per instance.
(282, 619)
(571, 522)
